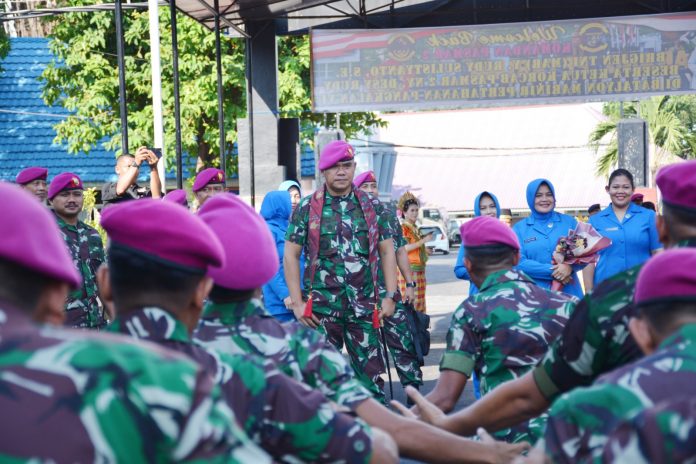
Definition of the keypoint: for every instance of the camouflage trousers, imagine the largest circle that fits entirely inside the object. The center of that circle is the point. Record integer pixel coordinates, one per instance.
(402, 349)
(363, 345)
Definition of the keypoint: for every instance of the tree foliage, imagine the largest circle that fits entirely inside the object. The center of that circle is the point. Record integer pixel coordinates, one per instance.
(671, 129)
(4, 40)
(84, 79)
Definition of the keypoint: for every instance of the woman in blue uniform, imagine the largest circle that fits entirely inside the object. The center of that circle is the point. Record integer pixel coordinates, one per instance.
(539, 234)
(630, 227)
(485, 204)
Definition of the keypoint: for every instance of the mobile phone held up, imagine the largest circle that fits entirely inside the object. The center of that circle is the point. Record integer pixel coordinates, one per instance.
(157, 152)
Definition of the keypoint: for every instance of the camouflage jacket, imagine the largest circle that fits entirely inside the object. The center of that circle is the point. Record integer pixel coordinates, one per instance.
(342, 281)
(69, 396)
(580, 421)
(286, 418)
(664, 433)
(502, 332)
(83, 308)
(301, 353)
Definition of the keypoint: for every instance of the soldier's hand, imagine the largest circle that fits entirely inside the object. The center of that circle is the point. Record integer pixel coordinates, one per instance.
(298, 310)
(505, 452)
(388, 308)
(428, 411)
(287, 301)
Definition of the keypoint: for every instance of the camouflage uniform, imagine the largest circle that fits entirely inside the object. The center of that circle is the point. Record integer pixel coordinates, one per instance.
(396, 328)
(343, 291)
(502, 332)
(299, 352)
(83, 308)
(580, 421)
(286, 418)
(69, 396)
(596, 339)
(664, 433)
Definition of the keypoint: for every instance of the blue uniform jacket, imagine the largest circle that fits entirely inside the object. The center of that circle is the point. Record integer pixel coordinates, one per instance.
(632, 240)
(538, 240)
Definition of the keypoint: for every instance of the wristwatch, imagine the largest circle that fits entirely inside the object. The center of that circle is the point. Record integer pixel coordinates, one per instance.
(411, 284)
(396, 296)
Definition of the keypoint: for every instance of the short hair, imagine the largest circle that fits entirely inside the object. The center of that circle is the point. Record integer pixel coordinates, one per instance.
(662, 314)
(138, 279)
(680, 222)
(20, 286)
(224, 295)
(123, 157)
(487, 257)
(649, 205)
(621, 172)
(593, 208)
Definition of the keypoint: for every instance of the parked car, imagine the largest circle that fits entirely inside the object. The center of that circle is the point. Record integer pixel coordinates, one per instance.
(454, 235)
(439, 242)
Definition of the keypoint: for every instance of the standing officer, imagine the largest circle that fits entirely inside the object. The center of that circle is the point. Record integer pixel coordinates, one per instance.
(596, 338)
(83, 307)
(126, 187)
(346, 235)
(33, 179)
(78, 396)
(158, 290)
(505, 329)
(209, 182)
(398, 334)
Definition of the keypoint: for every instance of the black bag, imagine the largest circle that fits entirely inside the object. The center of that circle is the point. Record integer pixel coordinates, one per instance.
(419, 325)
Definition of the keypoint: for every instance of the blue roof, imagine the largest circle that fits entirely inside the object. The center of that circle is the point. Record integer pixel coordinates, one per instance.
(26, 124)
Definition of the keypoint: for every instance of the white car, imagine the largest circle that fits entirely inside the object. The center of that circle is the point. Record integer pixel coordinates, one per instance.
(439, 242)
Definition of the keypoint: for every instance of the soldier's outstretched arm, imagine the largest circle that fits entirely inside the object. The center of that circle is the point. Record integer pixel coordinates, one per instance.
(418, 440)
(448, 389)
(384, 449)
(509, 404)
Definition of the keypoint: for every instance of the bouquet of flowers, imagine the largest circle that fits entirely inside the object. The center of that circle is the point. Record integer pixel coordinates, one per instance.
(580, 246)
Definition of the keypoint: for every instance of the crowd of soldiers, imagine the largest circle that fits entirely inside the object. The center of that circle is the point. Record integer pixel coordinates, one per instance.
(159, 348)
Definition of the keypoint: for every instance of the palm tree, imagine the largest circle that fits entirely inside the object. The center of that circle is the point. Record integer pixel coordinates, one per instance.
(671, 124)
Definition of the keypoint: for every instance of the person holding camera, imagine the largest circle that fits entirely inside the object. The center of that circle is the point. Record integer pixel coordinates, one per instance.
(128, 169)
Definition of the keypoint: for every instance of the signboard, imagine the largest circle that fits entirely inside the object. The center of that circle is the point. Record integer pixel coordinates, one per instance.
(542, 62)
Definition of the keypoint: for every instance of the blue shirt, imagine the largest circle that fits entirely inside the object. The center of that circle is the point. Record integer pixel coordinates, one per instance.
(538, 240)
(632, 240)
(461, 272)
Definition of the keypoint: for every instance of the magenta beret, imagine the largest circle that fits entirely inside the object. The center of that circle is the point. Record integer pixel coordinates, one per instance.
(486, 230)
(334, 152)
(667, 276)
(637, 196)
(367, 176)
(208, 176)
(165, 231)
(31, 238)
(677, 183)
(177, 196)
(64, 181)
(251, 256)
(29, 174)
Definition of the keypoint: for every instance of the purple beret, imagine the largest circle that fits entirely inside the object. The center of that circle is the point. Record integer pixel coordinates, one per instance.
(29, 174)
(251, 256)
(668, 275)
(163, 230)
(208, 176)
(486, 230)
(677, 183)
(177, 196)
(334, 152)
(637, 196)
(367, 176)
(64, 181)
(31, 238)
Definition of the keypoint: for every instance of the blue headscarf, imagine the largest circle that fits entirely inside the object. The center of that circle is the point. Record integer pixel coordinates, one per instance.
(276, 210)
(477, 201)
(288, 184)
(531, 194)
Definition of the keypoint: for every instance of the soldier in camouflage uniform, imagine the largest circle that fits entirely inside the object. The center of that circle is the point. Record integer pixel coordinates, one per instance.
(505, 329)
(665, 329)
(346, 236)
(70, 396)
(398, 334)
(596, 338)
(83, 307)
(235, 322)
(289, 420)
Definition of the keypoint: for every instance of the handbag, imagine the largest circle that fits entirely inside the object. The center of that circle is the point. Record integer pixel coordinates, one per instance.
(419, 325)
